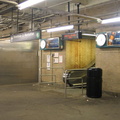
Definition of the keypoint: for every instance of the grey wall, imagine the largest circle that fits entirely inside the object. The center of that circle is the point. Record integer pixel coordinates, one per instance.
(18, 62)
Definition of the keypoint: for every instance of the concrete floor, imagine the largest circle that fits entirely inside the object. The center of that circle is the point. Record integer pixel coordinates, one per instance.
(33, 102)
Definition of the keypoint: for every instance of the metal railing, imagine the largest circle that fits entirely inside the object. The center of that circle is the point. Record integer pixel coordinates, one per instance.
(40, 75)
(82, 86)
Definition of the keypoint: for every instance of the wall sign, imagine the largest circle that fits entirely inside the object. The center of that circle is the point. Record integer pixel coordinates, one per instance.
(108, 40)
(26, 36)
(60, 59)
(114, 39)
(51, 44)
(55, 60)
(72, 36)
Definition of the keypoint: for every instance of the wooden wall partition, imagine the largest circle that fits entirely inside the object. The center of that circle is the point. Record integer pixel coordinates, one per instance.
(80, 54)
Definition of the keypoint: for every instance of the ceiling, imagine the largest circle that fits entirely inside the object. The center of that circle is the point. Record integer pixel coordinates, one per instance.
(10, 16)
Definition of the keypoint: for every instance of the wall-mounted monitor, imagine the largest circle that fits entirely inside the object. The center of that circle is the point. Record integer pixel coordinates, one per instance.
(72, 36)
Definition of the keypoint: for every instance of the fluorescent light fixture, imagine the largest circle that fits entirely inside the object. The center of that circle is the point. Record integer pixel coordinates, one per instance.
(61, 28)
(28, 3)
(111, 20)
(87, 34)
(43, 30)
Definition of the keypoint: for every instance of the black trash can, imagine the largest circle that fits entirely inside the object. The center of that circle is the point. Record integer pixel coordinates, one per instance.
(94, 83)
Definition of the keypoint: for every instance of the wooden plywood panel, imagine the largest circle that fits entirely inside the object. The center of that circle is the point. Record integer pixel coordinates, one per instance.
(79, 54)
(72, 53)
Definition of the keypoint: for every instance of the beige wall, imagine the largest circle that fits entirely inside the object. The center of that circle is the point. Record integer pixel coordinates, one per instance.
(109, 60)
(54, 74)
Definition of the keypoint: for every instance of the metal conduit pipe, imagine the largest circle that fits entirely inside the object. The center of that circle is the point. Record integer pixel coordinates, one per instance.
(68, 11)
(10, 2)
(78, 12)
(44, 17)
(85, 16)
(100, 4)
(68, 22)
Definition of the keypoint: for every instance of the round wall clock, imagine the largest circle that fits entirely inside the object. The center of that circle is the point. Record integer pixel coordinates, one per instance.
(43, 44)
(101, 39)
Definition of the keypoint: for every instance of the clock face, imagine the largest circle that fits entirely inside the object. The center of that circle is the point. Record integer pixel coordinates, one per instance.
(101, 39)
(42, 44)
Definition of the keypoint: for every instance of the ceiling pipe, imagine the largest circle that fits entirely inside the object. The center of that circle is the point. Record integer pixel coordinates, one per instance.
(69, 12)
(51, 15)
(6, 10)
(9, 2)
(85, 16)
(78, 12)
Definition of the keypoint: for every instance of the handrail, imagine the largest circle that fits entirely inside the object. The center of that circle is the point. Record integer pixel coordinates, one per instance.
(49, 74)
(82, 69)
(52, 68)
(70, 79)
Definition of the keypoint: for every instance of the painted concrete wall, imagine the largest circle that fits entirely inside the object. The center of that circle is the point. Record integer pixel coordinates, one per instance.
(109, 60)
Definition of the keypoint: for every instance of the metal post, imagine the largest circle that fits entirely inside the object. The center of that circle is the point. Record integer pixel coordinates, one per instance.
(65, 84)
(12, 16)
(78, 12)
(82, 86)
(68, 16)
(18, 19)
(40, 60)
(51, 64)
(32, 20)
(68, 11)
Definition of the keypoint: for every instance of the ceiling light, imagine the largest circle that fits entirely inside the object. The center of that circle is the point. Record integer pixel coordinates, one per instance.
(61, 28)
(43, 30)
(87, 34)
(111, 20)
(28, 3)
